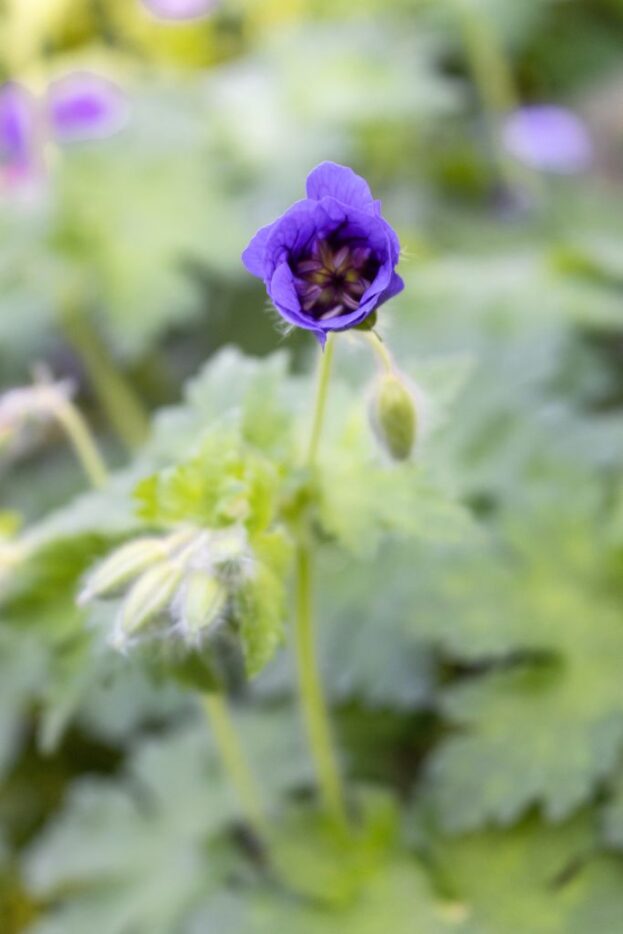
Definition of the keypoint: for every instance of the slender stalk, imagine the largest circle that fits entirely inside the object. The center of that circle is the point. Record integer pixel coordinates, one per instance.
(122, 406)
(79, 434)
(235, 761)
(324, 375)
(380, 349)
(494, 79)
(313, 704)
(492, 72)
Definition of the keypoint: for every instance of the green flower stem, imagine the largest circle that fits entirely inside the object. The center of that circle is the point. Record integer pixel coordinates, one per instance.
(312, 699)
(380, 349)
(122, 406)
(314, 706)
(79, 434)
(322, 391)
(235, 762)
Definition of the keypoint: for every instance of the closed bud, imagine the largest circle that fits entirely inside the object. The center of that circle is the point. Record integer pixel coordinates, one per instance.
(199, 602)
(394, 416)
(121, 567)
(229, 544)
(149, 597)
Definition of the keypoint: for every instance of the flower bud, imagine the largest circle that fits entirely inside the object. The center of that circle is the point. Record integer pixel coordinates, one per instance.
(394, 416)
(149, 597)
(121, 567)
(200, 602)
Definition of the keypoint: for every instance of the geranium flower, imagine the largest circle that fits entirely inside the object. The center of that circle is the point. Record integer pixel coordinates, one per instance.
(549, 138)
(83, 106)
(19, 135)
(329, 261)
(79, 106)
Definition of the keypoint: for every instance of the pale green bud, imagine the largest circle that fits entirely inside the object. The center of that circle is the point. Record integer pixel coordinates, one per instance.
(394, 416)
(228, 545)
(121, 567)
(149, 597)
(200, 602)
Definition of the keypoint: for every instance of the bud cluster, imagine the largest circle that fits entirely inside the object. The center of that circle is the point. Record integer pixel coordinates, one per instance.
(176, 585)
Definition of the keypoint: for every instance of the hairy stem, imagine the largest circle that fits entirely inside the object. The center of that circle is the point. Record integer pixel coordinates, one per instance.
(324, 376)
(313, 704)
(380, 349)
(235, 762)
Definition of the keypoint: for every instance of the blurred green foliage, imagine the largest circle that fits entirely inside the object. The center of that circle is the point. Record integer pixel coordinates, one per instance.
(469, 603)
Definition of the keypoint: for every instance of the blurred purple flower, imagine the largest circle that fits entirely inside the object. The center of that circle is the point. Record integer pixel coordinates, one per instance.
(180, 9)
(549, 138)
(19, 135)
(83, 106)
(330, 260)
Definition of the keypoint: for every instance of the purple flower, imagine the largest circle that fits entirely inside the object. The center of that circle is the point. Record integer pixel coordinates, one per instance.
(180, 9)
(330, 260)
(19, 135)
(83, 106)
(549, 138)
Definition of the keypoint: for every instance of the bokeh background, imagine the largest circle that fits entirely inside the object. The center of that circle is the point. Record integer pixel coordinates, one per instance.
(481, 683)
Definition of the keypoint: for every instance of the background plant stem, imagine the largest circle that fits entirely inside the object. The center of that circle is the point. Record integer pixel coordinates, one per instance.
(494, 79)
(235, 762)
(123, 408)
(78, 432)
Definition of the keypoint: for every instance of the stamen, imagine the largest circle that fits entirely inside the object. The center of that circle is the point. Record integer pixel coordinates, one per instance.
(350, 301)
(324, 252)
(341, 259)
(332, 313)
(333, 277)
(310, 296)
(308, 265)
(360, 256)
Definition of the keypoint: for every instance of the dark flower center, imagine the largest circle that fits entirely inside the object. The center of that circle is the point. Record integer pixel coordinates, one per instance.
(332, 278)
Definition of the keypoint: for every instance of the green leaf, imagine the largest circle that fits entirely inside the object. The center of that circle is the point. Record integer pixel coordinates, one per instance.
(548, 727)
(534, 879)
(322, 863)
(260, 612)
(611, 817)
(138, 853)
(224, 483)
(361, 500)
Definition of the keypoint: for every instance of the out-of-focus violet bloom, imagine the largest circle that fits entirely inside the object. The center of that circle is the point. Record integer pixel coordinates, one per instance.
(180, 9)
(83, 106)
(19, 135)
(549, 138)
(330, 260)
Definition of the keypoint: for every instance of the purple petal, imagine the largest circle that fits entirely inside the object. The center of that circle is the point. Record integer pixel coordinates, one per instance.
(395, 286)
(549, 138)
(283, 294)
(254, 257)
(309, 220)
(330, 180)
(19, 132)
(180, 9)
(83, 106)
